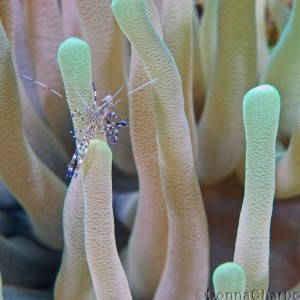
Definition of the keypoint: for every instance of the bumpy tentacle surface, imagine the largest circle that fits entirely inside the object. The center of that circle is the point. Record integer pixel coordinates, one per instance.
(108, 60)
(220, 130)
(45, 33)
(20, 168)
(177, 24)
(186, 267)
(96, 255)
(261, 109)
(6, 16)
(74, 279)
(74, 58)
(107, 274)
(40, 137)
(42, 140)
(145, 257)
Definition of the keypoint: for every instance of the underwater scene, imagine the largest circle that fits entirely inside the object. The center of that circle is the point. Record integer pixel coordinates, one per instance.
(150, 149)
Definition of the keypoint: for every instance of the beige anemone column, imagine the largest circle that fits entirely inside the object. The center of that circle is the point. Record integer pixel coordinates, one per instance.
(37, 189)
(186, 268)
(220, 130)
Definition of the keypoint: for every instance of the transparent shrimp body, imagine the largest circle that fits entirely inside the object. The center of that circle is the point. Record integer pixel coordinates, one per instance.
(99, 119)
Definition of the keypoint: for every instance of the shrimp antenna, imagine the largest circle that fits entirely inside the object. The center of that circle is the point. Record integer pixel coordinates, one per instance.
(142, 86)
(131, 92)
(119, 90)
(43, 85)
(110, 98)
(116, 102)
(84, 102)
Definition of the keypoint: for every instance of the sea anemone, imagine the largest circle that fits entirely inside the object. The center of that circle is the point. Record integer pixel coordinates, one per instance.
(198, 193)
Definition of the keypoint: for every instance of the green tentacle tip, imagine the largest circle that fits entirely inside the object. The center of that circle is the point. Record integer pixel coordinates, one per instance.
(74, 59)
(229, 277)
(261, 108)
(73, 47)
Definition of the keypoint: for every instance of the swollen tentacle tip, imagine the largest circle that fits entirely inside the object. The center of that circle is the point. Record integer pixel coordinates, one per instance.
(71, 43)
(229, 277)
(264, 96)
(261, 104)
(74, 59)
